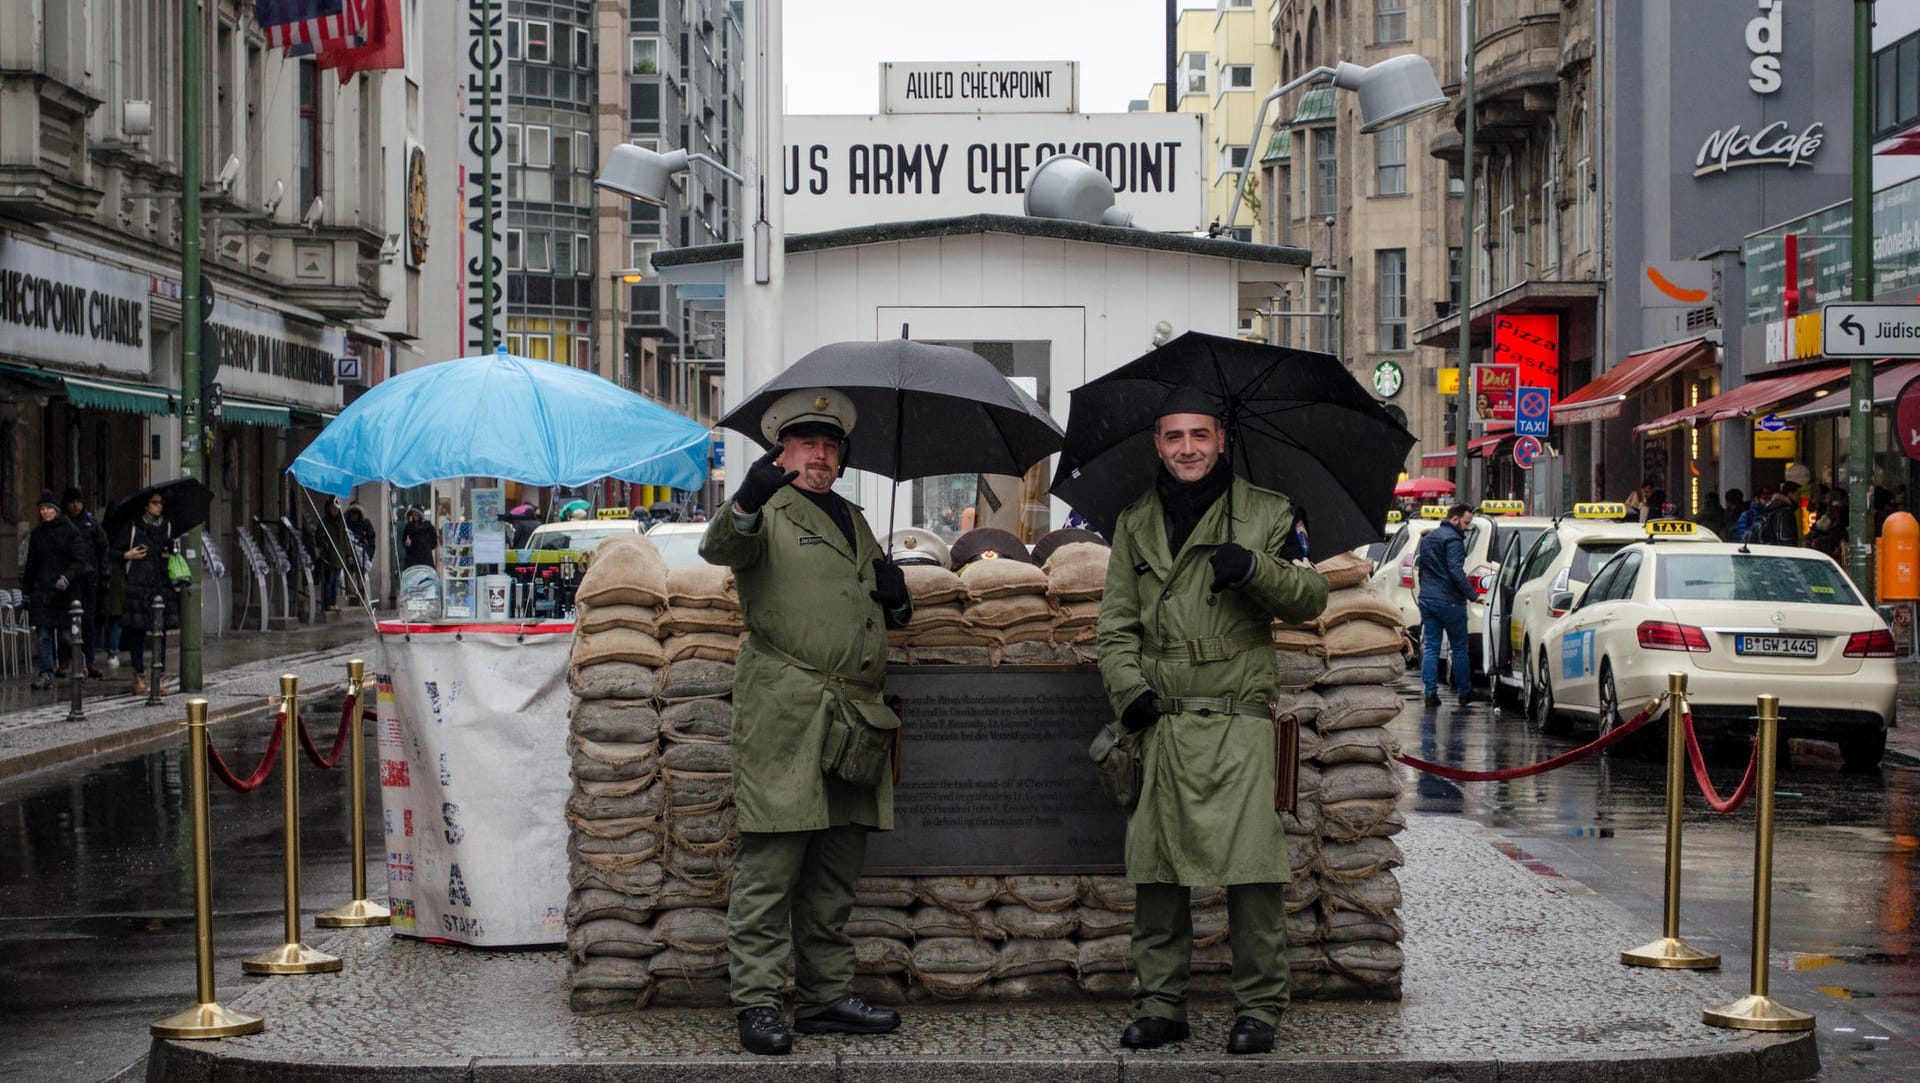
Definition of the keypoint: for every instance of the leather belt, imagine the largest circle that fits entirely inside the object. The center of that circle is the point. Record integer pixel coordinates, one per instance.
(1212, 648)
(1213, 705)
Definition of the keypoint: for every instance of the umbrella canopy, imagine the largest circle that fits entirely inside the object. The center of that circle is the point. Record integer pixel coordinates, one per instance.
(1420, 488)
(501, 416)
(187, 503)
(921, 409)
(1296, 422)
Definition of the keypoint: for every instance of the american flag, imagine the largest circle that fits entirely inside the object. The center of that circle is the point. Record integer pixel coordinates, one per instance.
(321, 24)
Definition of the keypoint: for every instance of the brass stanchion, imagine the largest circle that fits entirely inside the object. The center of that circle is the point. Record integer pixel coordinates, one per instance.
(1757, 1010)
(1670, 952)
(292, 957)
(206, 1019)
(361, 911)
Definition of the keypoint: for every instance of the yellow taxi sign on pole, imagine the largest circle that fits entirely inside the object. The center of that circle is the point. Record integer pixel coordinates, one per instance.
(1393, 515)
(614, 513)
(1450, 381)
(1608, 509)
(1672, 528)
(1503, 507)
(1433, 511)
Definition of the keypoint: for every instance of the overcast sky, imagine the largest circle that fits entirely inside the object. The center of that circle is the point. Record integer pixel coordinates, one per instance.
(834, 48)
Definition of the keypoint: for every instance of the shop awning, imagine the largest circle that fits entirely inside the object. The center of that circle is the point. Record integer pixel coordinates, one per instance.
(314, 418)
(1602, 398)
(1747, 399)
(113, 395)
(265, 414)
(1445, 457)
(1886, 387)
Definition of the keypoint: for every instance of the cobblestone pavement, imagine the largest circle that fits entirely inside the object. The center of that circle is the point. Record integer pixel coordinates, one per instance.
(1510, 975)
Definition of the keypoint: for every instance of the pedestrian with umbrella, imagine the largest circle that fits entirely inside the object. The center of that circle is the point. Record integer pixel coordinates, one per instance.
(146, 543)
(812, 740)
(1197, 574)
(57, 559)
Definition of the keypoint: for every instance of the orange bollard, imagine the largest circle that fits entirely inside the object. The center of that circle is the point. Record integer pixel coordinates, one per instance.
(1899, 549)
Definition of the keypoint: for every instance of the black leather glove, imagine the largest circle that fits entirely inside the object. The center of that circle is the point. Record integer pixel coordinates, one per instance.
(1144, 711)
(764, 478)
(889, 585)
(1232, 566)
(60, 583)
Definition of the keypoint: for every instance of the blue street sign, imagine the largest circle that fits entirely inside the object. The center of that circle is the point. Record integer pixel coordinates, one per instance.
(1530, 411)
(1525, 450)
(347, 368)
(1770, 423)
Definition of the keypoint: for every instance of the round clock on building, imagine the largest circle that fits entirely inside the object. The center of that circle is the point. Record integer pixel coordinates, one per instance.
(1386, 379)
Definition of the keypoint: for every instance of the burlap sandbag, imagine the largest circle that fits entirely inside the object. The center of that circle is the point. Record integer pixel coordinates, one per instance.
(1359, 603)
(1001, 578)
(1303, 703)
(973, 653)
(880, 955)
(679, 620)
(585, 830)
(697, 720)
(599, 904)
(610, 972)
(1376, 894)
(674, 991)
(1354, 706)
(888, 891)
(1290, 637)
(596, 761)
(1363, 668)
(617, 645)
(1077, 571)
(692, 930)
(697, 791)
(1362, 637)
(632, 844)
(1358, 781)
(1371, 962)
(963, 636)
(614, 720)
(626, 570)
(590, 619)
(1297, 668)
(711, 646)
(937, 921)
(958, 892)
(935, 615)
(1301, 892)
(1344, 570)
(613, 866)
(1023, 921)
(688, 964)
(1004, 611)
(930, 584)
(645, 880)
(952, 966)
(1342, 926)
(1036, 987)
(716, 830)
(1368, 744)
(1042, 893)
(1077, 614)
(1209, 927)
(1359, 859)
(1030, 631)
(701, 586)
(1104, 955)
(1345, 821)
(1303, 927)
(676, 893)
(606, 936)
(701, 756)
(1109, 893)
(613, 680)
(1024, 958)
(879, 921)
(650, 800)
(694, 678)
(581, 1001)
(1096, 922)
(886, 990)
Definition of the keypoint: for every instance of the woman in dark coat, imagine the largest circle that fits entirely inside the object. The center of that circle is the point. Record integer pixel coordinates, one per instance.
(57, 561)
(145, 546)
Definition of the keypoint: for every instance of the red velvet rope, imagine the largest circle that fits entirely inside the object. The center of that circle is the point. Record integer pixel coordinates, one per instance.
(339, 738)
(251, 782)
(1607, 740)
(1714, 800)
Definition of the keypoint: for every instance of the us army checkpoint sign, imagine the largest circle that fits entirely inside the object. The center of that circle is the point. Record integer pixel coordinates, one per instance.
(1870, 330)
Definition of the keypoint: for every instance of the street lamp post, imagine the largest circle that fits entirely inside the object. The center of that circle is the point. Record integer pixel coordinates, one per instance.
(192, 425)
(620, 280)
(1462, 421)
(1860, 373)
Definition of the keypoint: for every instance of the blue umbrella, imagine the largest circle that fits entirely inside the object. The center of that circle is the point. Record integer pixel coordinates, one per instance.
(500, 416)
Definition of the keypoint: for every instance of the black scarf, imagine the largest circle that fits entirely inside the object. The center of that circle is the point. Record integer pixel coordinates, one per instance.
(1184, 503)
(836, 509)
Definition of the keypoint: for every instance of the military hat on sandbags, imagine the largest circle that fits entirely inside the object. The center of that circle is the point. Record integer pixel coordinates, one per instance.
(1066, 535)
(821, 406)
(916, 545)
(986, 543)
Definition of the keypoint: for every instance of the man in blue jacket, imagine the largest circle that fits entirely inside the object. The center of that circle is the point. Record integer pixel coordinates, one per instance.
(1444, 592)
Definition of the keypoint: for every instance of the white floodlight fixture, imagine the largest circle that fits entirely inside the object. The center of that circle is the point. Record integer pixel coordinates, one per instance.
(643, 174)
(1391, 91)
(1064, 186)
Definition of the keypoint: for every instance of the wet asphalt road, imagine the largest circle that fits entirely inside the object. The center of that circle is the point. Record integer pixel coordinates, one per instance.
(96, 918)
(1845, 909)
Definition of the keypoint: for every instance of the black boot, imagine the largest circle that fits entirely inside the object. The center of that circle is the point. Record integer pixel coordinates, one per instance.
(849, 1015)
(764, 1033)
(1152, 1032)
(1249, 1036)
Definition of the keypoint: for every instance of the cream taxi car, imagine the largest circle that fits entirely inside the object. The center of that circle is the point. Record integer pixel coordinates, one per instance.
(1498, 525)
(1558, 561)
(1738, 620)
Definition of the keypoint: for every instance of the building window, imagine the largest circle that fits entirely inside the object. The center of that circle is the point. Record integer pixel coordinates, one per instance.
(1228, 5)
(582, 49)
(583, 353)
(1193, 73)
(640, 255)
(1549, 203)
(1453, 279)
(1390, 271)
(1326, 295)
(1326, 172)
(1239, 77)
(539, 146)
(563, 254)
(1582, 194)
(537, 50)
(513, 250)
(513, 39)
(540, 347)
(646, 56)
(1233, 159)
(1896, 86)
(1509, 240)
(308, 134)
(582, 254)
(1390, 160)
(1390, 21)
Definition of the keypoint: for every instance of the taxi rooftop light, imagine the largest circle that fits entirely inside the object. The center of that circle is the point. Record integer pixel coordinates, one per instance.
(1503, 507)
(614, 513)
(1611, 509)
(1393, 515)
(1672, 528)
(1433, 511)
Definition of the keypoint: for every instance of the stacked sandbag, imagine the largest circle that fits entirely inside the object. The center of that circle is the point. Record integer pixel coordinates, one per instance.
(938, 631)
(1008, 604)
(1076, 580)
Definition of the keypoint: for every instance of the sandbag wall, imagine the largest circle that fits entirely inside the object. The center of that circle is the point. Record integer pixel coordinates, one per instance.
(652, 832)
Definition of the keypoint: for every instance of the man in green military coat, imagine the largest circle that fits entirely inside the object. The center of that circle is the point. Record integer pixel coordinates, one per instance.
(811, 748)
(1199, 569)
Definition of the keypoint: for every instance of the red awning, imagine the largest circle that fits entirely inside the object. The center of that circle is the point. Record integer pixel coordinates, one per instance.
(1445, 457)
(1747, 399)
(1887, 383)
(1602, 398)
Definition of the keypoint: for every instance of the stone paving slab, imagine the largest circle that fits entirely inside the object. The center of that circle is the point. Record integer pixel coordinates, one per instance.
(1511, 976)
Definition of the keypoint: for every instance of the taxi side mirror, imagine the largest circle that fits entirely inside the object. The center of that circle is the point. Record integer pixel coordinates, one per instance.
(1560, 602)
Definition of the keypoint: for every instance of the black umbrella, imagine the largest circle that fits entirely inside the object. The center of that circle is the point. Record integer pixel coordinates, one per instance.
(188, 502)
(1296, 422)
(922, 409)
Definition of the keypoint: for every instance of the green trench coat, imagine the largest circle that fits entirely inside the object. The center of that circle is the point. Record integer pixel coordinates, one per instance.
(803, 594)
(1206, 807)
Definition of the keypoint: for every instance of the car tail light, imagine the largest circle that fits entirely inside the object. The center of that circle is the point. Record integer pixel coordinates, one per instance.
(1875, 644)
(1482, 580)
(1666, 635)
(1406, 571)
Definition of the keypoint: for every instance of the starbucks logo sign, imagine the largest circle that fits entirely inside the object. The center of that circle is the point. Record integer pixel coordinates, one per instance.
(1387, 379)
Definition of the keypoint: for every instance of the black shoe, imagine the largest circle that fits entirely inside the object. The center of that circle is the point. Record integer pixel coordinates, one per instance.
(1467, 697)
(849, 1015)
(94, 672)
(1249, 1036)
(763, 1033)
(45, 680)
(1433, 699)
(1152, 1032)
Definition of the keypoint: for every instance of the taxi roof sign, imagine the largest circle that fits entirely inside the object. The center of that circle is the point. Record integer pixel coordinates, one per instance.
(1611, 509)
(1667, 528)
(1433, 511)
(1503, 507)
(614, 513)
(1393, 515)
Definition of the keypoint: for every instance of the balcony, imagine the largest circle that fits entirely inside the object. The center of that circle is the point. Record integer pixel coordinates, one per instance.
(43, 149)
(336, 272)
(1516, 88)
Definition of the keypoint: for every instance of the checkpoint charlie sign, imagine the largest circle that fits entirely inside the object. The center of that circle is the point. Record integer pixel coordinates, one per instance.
(1002, 86)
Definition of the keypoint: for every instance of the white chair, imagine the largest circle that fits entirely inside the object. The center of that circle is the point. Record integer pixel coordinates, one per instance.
(18, 634)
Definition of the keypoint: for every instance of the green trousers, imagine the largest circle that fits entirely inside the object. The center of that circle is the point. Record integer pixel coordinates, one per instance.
(1163, 949)
(792, 895)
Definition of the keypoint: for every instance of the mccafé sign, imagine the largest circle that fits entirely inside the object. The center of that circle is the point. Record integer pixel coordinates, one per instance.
(1781, 143)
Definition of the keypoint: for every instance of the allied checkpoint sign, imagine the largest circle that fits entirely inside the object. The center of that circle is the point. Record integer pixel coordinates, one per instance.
(849, 171)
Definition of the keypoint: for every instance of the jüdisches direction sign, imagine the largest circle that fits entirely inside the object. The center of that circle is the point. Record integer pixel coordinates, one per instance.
(1870, 330)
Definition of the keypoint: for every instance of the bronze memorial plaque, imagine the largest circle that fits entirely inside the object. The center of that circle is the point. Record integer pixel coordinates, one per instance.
(995, 776)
